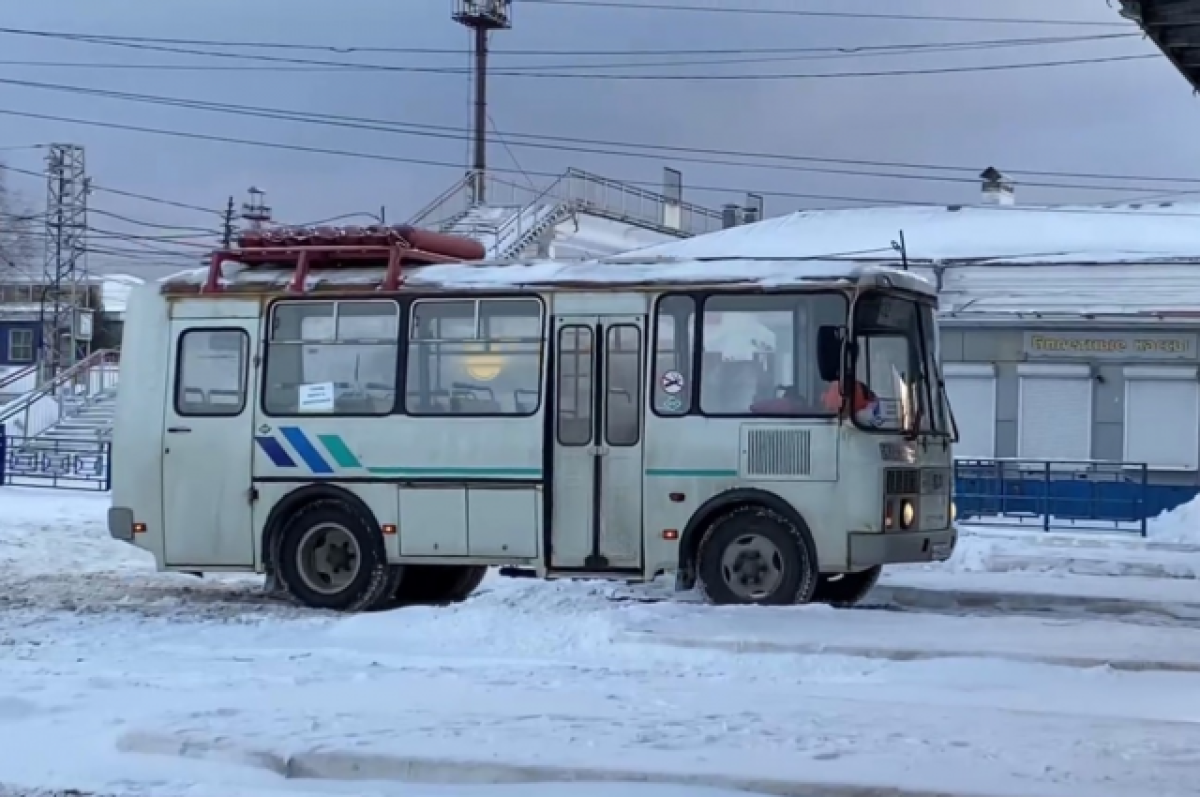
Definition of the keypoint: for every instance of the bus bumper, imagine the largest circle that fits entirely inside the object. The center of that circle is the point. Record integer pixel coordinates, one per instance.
(120, 523)
(895, 548)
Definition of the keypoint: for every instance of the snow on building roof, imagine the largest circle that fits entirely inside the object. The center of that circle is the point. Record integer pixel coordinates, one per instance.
(1013, 234)
(1146, 292)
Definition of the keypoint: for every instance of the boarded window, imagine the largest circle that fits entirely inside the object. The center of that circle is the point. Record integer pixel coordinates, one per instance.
(1162, 417)
(972, 392)
(1055, 420)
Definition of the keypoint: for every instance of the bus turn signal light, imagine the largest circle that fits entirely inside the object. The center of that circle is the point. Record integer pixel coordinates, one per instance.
(670, 534)
(139, 528)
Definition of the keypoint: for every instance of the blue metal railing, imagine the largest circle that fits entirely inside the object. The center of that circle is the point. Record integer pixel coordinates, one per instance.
(1060, 494)
(55, 463)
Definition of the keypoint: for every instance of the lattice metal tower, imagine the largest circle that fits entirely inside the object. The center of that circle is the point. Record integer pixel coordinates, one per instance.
(64, 275)
(255, 210)
(483, 17)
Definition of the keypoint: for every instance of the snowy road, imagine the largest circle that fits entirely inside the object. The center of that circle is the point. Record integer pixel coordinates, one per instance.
(118, 680)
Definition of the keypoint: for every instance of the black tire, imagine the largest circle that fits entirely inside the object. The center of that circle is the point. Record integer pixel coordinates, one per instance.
(438, 584)
(387, 598)
(844, 590)
(367, 584)
(797, 554)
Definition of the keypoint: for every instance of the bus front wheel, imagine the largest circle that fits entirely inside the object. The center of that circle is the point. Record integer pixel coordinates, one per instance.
(330, 557)
(754, 555)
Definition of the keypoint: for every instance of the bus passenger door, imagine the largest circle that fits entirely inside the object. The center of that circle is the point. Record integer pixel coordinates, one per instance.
(207, 441)
(597, 465)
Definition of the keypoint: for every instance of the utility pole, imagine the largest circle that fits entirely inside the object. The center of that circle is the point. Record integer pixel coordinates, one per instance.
(227, 228)
(66, 334)
(483, 17)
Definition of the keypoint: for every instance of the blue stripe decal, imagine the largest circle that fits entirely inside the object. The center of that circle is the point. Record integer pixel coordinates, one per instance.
(312, 458)
(278, 454)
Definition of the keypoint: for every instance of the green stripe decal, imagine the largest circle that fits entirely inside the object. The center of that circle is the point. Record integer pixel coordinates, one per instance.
(527, 472)
(340, 452)
(690, 473)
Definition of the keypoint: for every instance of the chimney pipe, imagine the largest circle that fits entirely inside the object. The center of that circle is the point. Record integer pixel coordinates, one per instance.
(998, 190)
(753, 210)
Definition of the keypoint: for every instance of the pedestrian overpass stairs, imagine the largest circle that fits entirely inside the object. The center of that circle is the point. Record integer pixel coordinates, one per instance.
(519, 221)
(76, 406)
(507, 232)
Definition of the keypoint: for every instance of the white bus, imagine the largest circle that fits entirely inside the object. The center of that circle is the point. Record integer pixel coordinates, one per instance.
(369, 433)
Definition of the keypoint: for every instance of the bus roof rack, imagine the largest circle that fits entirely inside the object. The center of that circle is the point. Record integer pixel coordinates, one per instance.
(302, 248)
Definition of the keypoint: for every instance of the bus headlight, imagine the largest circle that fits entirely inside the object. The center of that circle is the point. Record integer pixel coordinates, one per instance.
(953, 511)
(908, 514)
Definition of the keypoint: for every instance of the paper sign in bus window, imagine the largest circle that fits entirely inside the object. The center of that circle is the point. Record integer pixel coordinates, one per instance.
(317, 397)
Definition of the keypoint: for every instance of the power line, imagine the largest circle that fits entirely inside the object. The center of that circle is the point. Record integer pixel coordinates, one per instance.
(768, 55)
(714, 157)
(780, 12)
(119, 192)
(547, 71)
(848, 49)
(141, 223)
(378, 157)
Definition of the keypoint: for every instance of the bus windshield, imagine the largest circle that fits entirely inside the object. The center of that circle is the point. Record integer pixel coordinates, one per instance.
(896, 353)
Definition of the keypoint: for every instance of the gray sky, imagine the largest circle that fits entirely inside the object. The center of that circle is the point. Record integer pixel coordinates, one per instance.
(1136, 117)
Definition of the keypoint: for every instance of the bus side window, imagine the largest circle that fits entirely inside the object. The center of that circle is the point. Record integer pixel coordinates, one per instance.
(478, 357)
(211, 372)
(674, 341)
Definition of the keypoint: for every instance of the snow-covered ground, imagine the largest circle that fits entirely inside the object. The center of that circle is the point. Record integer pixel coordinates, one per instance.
(1030, 664)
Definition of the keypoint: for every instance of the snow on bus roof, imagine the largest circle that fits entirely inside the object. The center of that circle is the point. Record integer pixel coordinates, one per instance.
(617, 271)
(1012, 234)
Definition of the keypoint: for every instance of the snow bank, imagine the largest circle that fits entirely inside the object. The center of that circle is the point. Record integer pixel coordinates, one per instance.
(1178, 525)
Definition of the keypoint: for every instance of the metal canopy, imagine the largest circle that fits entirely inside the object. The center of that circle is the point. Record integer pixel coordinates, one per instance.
(1173, 25)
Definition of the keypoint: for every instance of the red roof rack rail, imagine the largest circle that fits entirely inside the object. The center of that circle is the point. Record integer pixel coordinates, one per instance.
(302, 248)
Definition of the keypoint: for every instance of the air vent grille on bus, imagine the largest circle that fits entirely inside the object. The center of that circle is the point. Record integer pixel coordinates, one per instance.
(778, 452)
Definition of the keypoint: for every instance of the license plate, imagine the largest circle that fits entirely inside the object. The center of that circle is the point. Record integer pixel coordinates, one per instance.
(942, 551)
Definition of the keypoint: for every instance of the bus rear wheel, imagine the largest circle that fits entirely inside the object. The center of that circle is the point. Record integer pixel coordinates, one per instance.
(754, 555)
(438, 584)
(330, 557)
(844, 590)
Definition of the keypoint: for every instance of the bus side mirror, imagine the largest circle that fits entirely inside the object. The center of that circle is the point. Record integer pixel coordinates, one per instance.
(829, 353)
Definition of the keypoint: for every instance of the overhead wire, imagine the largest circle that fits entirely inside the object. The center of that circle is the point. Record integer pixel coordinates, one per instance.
(855, 49)
(121, 192)
(555, 71)
(716, 157)
(380, 157)
(797, 12)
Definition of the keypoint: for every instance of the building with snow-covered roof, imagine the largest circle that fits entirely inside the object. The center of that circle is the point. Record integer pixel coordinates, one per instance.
(1068, 333)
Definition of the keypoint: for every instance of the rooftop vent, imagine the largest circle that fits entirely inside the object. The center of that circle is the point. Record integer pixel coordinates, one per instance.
(731, 215)
(997, 189)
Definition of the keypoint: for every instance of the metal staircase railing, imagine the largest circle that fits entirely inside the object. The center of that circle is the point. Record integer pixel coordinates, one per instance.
(578, 191)
(7, 382)
(63, 396)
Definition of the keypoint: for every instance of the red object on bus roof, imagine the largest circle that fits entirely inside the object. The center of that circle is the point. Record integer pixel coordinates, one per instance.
(304, 247)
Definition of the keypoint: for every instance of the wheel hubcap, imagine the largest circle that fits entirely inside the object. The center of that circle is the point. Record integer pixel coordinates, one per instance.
(328, 558)
(752, 567)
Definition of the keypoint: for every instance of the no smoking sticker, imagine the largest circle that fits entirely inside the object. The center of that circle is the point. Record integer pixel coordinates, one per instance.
(672, 382)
